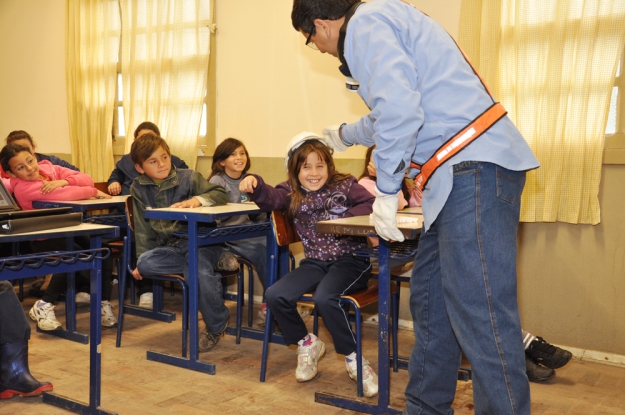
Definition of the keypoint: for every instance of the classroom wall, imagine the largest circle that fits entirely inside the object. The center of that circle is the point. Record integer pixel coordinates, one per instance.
(269, 88)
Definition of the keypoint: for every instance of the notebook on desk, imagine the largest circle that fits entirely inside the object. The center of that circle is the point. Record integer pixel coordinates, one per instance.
(14, 220)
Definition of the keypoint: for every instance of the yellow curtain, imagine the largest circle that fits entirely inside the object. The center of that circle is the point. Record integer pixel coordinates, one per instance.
(552, 64)
(164, 60)
(92, 40)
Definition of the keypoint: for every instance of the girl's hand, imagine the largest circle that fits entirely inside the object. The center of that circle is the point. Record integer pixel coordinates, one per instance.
(102, 195)
(371, 169)
(136, 275)
(248, 184)
(47, 187)
(191, 203)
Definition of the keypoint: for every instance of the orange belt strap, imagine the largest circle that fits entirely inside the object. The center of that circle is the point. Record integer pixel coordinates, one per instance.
(459, 141)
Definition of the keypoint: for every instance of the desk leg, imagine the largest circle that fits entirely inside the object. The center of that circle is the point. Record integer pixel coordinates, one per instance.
(384, 294)
(192, 362)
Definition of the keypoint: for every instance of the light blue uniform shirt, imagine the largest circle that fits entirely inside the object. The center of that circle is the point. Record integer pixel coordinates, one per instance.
(421, 91)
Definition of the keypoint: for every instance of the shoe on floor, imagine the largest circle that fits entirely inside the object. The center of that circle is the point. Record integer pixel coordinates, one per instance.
(108, 318)
(82, 299)
(43, 314)
(307, 358)
(548, 355)
(228, 262)
(146, 300)
(304, 311)
(262, 315)
(208, 341)
(369, 378)
(537, 372)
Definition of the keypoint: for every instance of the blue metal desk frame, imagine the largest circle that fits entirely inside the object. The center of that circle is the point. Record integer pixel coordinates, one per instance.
(194, 217)
(68, 261)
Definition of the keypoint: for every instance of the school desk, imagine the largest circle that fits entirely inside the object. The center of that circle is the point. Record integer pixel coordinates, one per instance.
(69, 261)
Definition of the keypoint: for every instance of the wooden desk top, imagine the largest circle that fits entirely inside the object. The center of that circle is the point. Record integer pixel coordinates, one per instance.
(92, 202)
(204, 213)
(409, 225)
(82, 229)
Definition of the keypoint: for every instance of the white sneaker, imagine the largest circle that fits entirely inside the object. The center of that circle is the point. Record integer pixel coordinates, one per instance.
(108, 318)
(307, 358)
(146, 300)
(43, 314)
(82, 299)
(369, 378)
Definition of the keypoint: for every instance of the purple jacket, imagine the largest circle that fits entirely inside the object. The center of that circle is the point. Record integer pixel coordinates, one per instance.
(345, 200)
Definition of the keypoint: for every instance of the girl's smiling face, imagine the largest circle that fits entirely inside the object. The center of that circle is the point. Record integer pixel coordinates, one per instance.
(235, 163)
(24, 166)
(313, 173)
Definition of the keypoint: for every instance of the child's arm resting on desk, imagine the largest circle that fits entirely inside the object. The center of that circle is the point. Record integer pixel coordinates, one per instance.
(206, 193)
(360, 199)
(265, 196)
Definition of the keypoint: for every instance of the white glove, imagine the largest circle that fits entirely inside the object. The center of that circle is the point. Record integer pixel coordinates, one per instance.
(384, 214)
(333, 138)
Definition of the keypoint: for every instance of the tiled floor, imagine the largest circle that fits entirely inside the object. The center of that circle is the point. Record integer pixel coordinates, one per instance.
(133, 385)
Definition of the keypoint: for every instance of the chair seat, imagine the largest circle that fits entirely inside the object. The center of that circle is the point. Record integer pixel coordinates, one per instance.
(360, 298)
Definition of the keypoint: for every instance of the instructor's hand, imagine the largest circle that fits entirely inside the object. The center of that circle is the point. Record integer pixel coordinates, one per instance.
(384, 214)
(333, 138)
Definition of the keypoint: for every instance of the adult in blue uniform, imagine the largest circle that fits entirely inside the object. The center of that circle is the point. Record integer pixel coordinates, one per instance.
(430, 109)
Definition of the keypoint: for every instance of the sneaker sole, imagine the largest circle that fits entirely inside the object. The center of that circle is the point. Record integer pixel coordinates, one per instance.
(310, 377)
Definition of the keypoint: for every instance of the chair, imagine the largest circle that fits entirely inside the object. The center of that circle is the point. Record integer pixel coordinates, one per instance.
(157, 289)
(286, 234)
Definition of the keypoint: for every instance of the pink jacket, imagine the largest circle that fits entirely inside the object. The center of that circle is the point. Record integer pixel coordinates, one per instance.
(80, 186)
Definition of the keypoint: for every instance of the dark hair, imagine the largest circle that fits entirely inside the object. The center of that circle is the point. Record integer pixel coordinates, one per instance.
(305, 12)
(295, 164)
(365, 173)
(144, 146)
(147, 125)
(19, 135)
(223, 151)
(8, 152)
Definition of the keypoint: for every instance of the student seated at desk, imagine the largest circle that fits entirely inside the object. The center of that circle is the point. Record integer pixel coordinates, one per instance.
(15, 377)
(162, 185)
(23, 138)
(315, 191)
(44, 181)
(124, 173)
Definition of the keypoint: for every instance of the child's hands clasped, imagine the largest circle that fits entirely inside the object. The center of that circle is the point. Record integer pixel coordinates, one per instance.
(47, 187)
(248, 184)
(191, 203)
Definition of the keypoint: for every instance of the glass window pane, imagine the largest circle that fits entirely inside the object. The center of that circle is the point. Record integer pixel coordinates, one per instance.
(611, 127)
(121, 124)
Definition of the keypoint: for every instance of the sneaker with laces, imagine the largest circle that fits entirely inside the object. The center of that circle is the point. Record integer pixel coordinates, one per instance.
(228, 262)
(548, 355)
(146, 300)
(108, 318)
(43, 314)
(82, 299)
(537, 372)
(208, 341)
(307, 358)
(262, 315)
(369, 378)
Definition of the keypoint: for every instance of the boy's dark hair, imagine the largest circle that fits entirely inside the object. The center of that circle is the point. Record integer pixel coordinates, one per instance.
(305, 12)
(8, 152)
(144, 146)
(295, 164)
(19, 135)
(147, 125)
(223, 151)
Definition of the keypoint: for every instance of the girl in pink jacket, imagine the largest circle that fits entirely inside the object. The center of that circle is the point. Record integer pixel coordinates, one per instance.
(44, 181)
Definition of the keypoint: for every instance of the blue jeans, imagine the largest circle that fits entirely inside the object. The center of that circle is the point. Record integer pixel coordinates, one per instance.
(463, 297)
(255, 251)
(175, 260)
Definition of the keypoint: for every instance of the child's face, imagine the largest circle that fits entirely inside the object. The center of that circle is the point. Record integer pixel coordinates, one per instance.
(313, 173)
(24, 166)
(24, 142)
(157, 166)
(235, 163)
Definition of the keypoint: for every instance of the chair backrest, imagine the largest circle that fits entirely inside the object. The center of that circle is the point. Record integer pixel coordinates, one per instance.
(283, 228)
(130, 214)
(102, 186)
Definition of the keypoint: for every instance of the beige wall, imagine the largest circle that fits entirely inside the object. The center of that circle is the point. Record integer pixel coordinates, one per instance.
(270, 87)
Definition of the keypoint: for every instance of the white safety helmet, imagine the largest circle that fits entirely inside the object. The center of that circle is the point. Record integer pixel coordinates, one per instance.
(297, 141)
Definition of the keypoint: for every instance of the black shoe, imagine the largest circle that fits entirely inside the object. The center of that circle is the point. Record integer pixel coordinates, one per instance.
(16, 378)
(208, 341)
(536, 372)
(548, 355)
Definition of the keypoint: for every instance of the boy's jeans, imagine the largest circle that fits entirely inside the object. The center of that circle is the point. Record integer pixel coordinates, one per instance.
(463, 297)
(175, 260)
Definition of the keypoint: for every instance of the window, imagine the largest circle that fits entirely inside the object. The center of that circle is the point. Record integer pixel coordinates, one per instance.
(615, 129)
